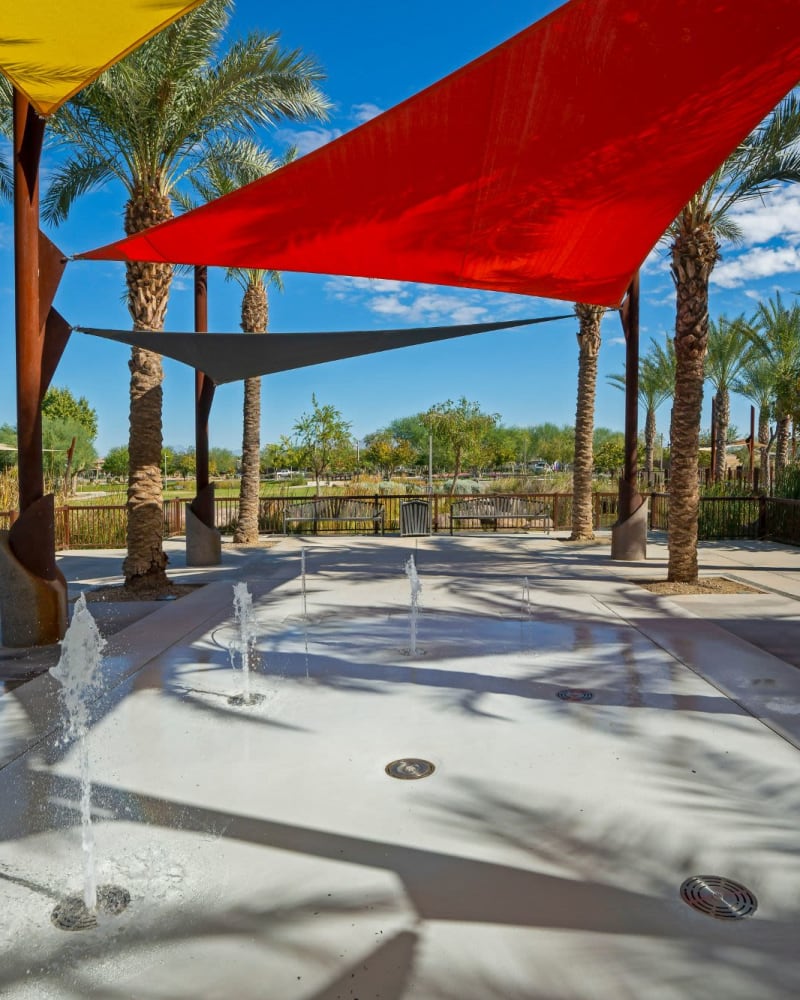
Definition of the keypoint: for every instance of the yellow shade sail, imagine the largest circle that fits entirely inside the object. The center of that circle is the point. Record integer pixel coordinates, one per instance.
(50, 49)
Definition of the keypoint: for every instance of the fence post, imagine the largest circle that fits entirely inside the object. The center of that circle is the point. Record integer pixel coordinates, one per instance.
(762, 517)
(555, 512)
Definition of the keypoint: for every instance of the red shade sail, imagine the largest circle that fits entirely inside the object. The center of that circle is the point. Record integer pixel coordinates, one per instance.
(550, 166)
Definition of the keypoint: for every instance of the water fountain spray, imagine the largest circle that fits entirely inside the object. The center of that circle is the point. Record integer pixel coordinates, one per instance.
(303, 581)
(244, 643)
(526, 598)
(416, 587)
(78, 672)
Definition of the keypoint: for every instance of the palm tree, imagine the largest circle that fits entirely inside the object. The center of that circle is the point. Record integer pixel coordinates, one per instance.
(730, 347)
(756, 382)
(767, 156)
(589, 318)
(775, 332)
(656, 384)
(148, 122)
(6, 130)
(230, 165)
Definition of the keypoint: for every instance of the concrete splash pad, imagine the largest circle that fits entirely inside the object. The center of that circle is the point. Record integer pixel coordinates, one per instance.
(269, 855)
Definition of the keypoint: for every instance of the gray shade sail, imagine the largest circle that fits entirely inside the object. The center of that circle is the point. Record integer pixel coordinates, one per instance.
(228, 357)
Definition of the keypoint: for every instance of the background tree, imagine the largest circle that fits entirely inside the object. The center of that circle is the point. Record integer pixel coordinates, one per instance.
(609, 451)
(148, 122)
(729, 348)
(185, 462)
(224, 461)
(656, 384)
(8, 436)
(386, 453)
(503, 444)
(775, 332)
(69, 427)
(68, 449)
(116, 461)
(279, 455)
(322, 438)
(756, 382)
(460, 426)
(60, 404)
(589, 318)
(552, 443)
(767, 156)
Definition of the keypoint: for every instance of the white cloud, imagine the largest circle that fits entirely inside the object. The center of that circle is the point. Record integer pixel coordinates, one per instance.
(406, 303)
(614, 341)
(308, 139)
(428, 308)
(759, 262)
(364, 112)
(776, 215)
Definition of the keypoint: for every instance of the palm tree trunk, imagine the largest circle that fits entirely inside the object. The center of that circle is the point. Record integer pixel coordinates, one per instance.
(246, 532)
(649, 444)
(148, 291)
(583, 467)
(782, 446)
(254, 320)
(764, 441)
(722, 407)
(694, 253)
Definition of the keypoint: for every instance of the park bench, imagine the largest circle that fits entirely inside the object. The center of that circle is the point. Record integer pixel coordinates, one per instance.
(516, 512)
(338, 510)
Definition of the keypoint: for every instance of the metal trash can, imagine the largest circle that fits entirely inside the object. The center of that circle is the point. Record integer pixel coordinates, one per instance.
(415, 517)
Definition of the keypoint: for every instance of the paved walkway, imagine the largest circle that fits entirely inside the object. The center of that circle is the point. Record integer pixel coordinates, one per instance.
(594, 745)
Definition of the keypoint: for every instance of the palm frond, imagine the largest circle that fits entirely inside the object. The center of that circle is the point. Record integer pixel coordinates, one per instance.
(78, 175)
(730, 348)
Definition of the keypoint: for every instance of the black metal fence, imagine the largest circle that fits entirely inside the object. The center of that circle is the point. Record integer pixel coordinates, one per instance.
(104, 526)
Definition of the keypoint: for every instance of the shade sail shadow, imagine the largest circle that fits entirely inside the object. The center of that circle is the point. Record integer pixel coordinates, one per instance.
(440, 886)
(383, 973)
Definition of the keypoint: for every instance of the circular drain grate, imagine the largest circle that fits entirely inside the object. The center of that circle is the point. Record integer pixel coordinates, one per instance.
(71, 914)
(574, 694)
(409, 768)
(718, 897)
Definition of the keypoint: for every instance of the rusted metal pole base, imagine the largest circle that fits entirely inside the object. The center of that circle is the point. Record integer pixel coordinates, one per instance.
(33, 601)
(629, 536)
(203, 540)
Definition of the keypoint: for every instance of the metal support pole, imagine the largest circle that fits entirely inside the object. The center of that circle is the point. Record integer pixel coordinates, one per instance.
(28, 137)
(33, 591)
(713, 440)
(203, 504)
(629, 314)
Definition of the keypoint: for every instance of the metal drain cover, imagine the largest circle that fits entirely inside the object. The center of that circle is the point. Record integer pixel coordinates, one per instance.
(71, 914)
(410, 768)
(574, 694)
(718, 897)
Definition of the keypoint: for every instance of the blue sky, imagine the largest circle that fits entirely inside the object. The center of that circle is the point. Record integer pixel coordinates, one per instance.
(375, 55)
